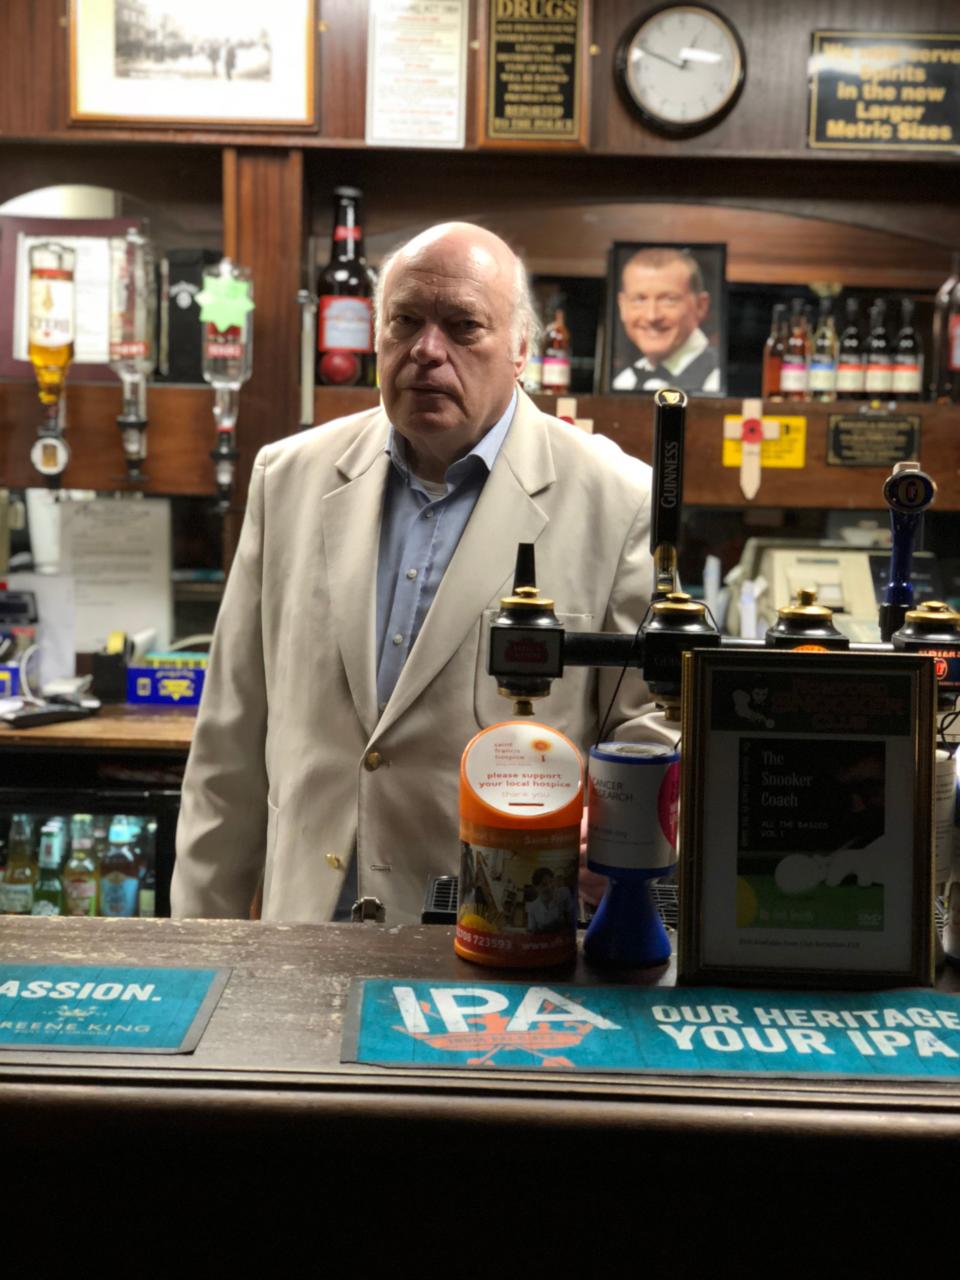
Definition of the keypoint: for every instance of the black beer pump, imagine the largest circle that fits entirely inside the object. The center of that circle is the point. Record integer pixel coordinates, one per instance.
(529, 648)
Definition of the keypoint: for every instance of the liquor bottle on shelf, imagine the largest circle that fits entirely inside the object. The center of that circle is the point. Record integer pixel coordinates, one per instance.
(19, 881)
(51, 330)
(823, 357)
(80, 875)
(345, 355)
(48, 894)
(878, 361)
(119, 871)
(907, 357)
(148, 869)
(794, 371)
(773, 351)
(850, 357)
(952, 380)
(942, 373)
(556, 350)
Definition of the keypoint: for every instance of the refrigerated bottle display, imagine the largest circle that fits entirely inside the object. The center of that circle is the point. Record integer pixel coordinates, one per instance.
(48, 895)
(19, 881)
(120, 871)
(907, 357)
(345, 287)
(80, 875)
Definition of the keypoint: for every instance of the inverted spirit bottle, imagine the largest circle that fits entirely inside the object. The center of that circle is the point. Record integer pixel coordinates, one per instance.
(133, 309)
(345, 289)
(226, 313)
(555, 376)
(51, 333)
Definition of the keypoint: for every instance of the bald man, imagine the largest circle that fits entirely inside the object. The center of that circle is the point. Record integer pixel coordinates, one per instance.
(348, 670)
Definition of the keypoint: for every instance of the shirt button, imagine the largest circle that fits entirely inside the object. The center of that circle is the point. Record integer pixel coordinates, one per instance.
(333, 861)
(428, 515)
(372, 760)
(411, 574)
(398, 638)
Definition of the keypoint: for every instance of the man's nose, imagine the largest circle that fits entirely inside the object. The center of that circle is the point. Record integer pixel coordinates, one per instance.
(430, 346)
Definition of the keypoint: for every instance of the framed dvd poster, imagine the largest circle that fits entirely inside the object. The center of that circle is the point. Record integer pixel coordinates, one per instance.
(666, 318)
(806, 818)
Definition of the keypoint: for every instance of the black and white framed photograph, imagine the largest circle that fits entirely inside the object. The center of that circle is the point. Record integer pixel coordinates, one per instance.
(153, 61)
(806, 809)
(666, 318)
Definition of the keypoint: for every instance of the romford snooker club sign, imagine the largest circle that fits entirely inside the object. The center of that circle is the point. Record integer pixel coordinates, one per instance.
(703, 1030)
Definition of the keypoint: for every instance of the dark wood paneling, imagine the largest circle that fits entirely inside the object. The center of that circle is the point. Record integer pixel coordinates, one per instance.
(342, 68)
(179, 438)
(263, 201)
(34, 76)
(629, 421)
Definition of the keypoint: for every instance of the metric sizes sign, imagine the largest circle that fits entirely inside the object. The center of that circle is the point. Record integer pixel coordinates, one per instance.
(884, 91)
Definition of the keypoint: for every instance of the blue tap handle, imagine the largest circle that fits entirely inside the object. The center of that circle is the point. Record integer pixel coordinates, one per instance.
(907, 492)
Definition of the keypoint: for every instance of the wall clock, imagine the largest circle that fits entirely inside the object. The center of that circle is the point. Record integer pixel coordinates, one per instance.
(680, 68)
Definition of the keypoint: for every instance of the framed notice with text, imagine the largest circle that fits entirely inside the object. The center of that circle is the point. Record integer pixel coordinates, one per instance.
(156, 61)
(884, 90)
(806, 818)
(534, 73)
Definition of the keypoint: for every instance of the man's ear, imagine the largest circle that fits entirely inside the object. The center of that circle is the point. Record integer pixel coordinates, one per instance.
(703, 306)
(523, 352)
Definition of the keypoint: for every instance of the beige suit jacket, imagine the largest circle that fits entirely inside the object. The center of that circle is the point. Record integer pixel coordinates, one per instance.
(292, 766)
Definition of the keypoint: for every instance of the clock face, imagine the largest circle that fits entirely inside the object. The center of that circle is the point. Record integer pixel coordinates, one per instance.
(681, 68)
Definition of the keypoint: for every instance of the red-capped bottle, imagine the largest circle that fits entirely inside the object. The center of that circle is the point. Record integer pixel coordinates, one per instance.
(345, 353)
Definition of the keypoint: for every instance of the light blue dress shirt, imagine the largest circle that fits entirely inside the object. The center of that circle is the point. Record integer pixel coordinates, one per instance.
(419, 532)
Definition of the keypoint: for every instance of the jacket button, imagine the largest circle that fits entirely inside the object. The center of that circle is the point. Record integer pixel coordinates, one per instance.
(372, 760)
(333, 860)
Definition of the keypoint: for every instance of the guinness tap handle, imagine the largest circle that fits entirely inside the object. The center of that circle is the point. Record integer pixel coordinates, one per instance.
(670, 414)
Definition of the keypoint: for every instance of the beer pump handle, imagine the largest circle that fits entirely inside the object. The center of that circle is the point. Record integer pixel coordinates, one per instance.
(908, 492)
(525, 572)
(670, 407)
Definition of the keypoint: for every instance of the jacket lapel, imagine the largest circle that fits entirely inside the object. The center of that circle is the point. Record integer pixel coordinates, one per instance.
(351, 537)
(506, 513)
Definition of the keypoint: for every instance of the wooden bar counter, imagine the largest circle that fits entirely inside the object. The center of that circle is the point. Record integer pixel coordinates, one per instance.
(528, 1168)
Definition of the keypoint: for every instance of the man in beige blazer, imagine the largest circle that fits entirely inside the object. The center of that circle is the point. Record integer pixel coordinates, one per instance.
(300, 778)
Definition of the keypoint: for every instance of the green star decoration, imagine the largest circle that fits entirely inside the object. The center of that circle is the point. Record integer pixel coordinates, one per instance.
(224, 301)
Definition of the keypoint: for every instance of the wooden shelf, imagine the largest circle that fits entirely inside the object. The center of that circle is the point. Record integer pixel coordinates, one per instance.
(180, 436)
(629, 421)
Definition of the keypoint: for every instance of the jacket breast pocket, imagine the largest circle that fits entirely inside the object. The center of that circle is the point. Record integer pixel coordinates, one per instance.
(571, 704)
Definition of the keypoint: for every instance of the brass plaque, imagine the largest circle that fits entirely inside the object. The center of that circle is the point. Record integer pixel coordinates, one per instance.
(872, 439)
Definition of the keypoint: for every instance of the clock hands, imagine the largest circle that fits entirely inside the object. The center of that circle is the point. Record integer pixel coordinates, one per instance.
(662, 56)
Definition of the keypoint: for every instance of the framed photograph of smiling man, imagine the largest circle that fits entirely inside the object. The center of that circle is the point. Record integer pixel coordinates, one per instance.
(667, 318)
(806, 818)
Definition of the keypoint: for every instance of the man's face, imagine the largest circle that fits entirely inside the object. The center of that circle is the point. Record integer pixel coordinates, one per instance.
(658, 309)
(445, 351)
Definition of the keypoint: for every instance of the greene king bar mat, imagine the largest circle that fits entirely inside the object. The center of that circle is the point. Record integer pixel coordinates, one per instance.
(79, 1007)
(693, 1030)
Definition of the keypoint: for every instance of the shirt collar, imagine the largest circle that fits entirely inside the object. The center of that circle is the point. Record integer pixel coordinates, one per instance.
(685, 354)
(486, 448)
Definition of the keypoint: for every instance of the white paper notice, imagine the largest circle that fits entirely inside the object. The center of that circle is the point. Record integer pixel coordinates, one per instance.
(416, 73)
(119, 553)
(91, 284)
